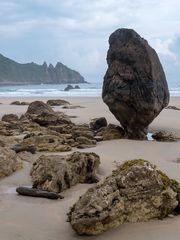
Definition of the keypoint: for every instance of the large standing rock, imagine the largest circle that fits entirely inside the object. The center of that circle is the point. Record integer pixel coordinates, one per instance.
(56, 173)
(135, 87)
(38, 107)
(135, 192)
(8, 162)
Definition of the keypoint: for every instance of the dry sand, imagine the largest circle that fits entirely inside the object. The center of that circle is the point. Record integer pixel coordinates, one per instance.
(25, 218)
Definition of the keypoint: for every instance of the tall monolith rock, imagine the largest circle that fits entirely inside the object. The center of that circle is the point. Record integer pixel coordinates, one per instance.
(135, 87)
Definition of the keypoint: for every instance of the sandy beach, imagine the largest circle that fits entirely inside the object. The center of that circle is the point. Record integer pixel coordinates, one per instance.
(26, 218)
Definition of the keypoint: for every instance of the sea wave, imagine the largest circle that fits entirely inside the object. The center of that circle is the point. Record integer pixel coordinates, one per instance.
(57, 90)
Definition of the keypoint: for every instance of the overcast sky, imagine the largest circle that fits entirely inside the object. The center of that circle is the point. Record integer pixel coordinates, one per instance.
(76, 32)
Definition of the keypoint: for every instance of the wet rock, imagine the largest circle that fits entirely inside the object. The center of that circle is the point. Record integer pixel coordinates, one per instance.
(77, 87)
(163, 136)
(9, 162)
(69, 87)
(110, 132)
(57, 102)
(135, 192)
(56, 173)
(10, 118)
(98, 123)
(21, 147)
(135, 87)
(32, 192)
(49, 143)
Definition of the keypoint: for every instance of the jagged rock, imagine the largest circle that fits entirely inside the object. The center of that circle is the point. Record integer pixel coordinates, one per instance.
(86, 141)
(98, 123)
(135, 192)
(135, 87)
(47, 118)
(49, 143)
(56, 173)
(38, 107)
(21, 147)
(69, 87)
(110, 132)
(57, 102)
(9, 162)
(10, 118)
(163, 136)
(172, 107)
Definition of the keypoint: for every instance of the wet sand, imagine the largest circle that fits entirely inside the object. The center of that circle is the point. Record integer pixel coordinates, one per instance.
(26, 218)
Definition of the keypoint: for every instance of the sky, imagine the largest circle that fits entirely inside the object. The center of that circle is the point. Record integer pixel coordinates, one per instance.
(76, 32)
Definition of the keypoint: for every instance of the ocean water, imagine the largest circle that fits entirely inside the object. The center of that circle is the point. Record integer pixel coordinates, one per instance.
(57, 90)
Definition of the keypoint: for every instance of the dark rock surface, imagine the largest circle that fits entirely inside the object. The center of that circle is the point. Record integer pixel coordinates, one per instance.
(135, 87)
(10, 117)
(57, 102)
(98, 123)
(38, 107)
(135, 192)
(56, 173)
(69, 87)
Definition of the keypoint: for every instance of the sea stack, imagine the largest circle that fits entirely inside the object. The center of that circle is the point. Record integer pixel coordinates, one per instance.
(135, 87)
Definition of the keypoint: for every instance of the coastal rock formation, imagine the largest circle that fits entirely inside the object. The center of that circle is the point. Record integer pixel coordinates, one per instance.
(38, 107)
(163, 136)
(12, 72)
(44, 142)
(98, 123)
(9, 162)
(56, 173)
(10, 118)
(135, 192)
(57, 102)
(135, 87)
(110, 132)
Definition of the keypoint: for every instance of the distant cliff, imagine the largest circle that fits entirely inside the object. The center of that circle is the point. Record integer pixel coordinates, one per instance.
(15, 73)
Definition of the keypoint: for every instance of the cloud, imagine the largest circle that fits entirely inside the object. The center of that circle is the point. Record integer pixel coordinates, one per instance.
(76, 31)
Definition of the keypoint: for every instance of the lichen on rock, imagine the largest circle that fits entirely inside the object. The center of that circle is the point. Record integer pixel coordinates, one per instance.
(56, 173)
(136, 191)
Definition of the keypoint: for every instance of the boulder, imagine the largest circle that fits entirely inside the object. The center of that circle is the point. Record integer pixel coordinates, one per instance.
(98, 123)
(9, 162)
(69, 87)
(135, 192)
(10, 117)
(110, 132)
(38, 107)
(172, 107)
(20, 147)
(57, 102)
(135, 87)
(49, 143)
(16, 103)
(56, 173)
(163, 136)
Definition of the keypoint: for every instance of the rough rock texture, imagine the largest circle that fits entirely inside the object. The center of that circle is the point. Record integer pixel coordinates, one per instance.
(57, 102)
(49, 143)
(135, 192)
(98, 123)
(38, 107)
(135, 87)
(163, 136)
(8, 162)
(172, 107)
(56, 173)
(110, 132)
(10, 117)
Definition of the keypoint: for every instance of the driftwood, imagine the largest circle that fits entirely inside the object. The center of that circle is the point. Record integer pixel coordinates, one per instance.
(34, 192)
